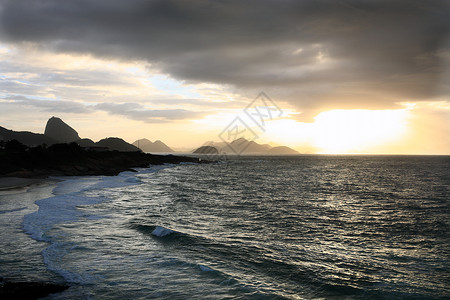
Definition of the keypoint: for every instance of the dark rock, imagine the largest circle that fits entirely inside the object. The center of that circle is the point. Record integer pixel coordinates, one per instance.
(60, 131)
(72, 160)
(28, 290)
(85, 143)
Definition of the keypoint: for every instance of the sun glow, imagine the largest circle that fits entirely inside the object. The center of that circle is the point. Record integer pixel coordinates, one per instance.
(343, 131)
(355, 131)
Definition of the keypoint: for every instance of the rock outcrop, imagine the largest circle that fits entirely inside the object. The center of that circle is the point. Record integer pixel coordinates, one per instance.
(60, 131)
(73, 160)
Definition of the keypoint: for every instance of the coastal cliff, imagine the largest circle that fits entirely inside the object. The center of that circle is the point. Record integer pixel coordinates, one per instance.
(18, 160)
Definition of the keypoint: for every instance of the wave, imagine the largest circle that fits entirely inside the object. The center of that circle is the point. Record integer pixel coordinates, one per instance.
(238, 260)
(62, 208)
(157, 231)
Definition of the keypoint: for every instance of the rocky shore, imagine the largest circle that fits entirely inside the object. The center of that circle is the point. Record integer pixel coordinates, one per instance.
(28, 290)
(73, 160)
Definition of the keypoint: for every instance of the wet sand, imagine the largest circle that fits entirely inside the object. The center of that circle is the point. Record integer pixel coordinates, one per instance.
(9, 183)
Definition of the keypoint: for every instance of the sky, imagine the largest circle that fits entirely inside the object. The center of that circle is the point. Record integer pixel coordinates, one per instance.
(331, 76)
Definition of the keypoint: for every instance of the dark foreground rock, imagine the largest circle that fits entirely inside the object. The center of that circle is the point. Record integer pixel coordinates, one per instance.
(28, 290)
(17, 160)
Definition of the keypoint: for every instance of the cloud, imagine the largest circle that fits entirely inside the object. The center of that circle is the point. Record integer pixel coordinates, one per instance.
(138, 112)
(313, 54)
(134, 111)
(54, 106)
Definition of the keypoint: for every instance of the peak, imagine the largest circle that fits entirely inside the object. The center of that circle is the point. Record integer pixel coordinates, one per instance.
(240, 140)
(53, 119)
(112, 138)
(157, 147)
(60, 131)
(115, 143)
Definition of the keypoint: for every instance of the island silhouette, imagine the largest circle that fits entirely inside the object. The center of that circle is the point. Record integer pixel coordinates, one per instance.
(243, 146)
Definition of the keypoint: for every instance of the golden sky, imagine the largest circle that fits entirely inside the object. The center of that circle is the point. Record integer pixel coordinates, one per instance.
(347, 77)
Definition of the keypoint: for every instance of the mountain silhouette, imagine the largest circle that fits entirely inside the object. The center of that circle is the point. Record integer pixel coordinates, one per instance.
(244, 146)
(57, 131)
(60, 131)
(114, 143)
(153, 147)
(281, 150)
(206, 150)
(85, 143)
(25, 137)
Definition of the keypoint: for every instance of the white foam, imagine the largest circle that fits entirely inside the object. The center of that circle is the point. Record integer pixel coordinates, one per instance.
(161, 231)
(55, 210)
(62, 208)
(70, 185)
(52, 257)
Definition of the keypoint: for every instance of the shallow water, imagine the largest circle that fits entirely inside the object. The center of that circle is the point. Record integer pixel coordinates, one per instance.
(303, 227)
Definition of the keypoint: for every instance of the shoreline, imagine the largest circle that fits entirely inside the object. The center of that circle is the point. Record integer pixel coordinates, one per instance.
(79, 162)
(15, 287)
(14, 183)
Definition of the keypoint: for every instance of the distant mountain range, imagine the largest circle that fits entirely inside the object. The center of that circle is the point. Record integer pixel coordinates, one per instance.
(243, 146)
(57, 131)
(153, 147)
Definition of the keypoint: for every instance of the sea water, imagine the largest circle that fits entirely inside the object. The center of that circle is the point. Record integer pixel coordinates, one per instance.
(301, 227)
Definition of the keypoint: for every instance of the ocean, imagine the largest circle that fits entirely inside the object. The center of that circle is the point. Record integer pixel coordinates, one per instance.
(299, 227)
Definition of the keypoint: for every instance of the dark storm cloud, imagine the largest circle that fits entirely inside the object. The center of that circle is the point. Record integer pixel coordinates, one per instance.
(308, 52)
